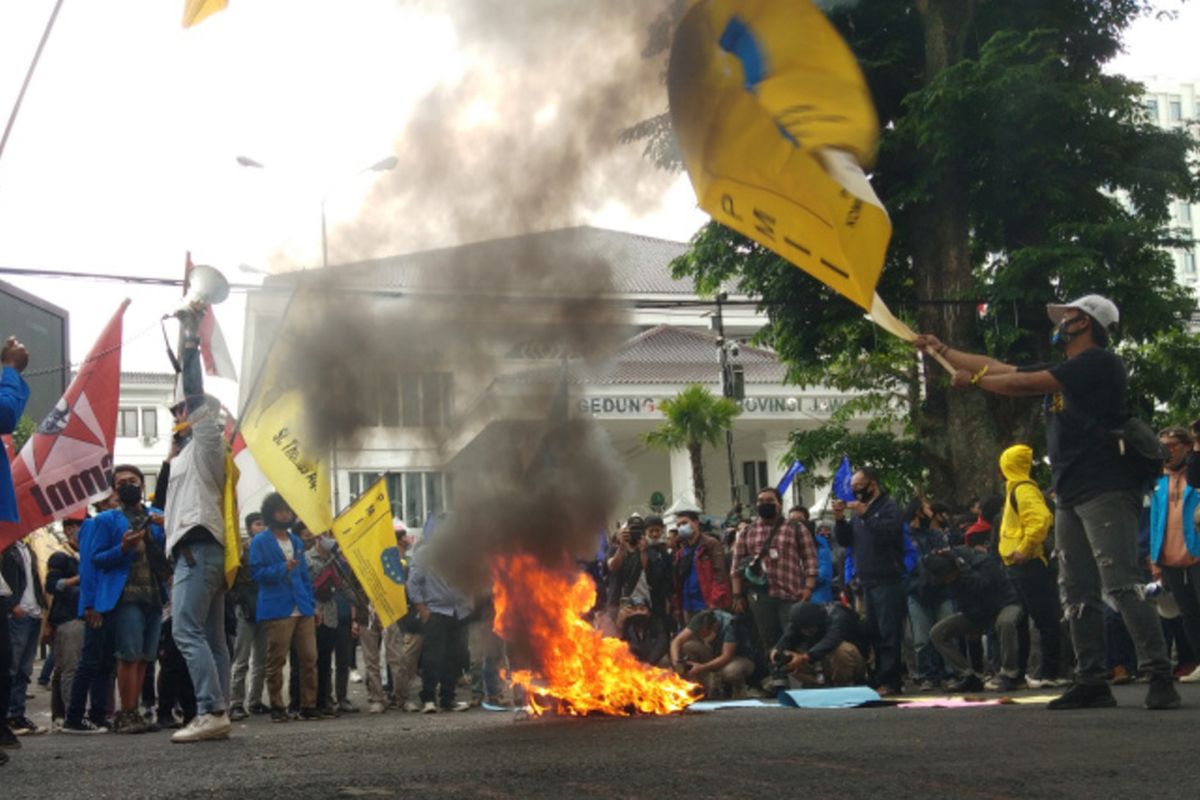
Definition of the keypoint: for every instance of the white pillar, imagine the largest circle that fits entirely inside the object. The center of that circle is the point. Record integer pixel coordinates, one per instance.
(776, 450)
(681, 477)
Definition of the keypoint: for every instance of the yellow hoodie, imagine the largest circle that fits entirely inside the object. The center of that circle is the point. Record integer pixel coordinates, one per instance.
(1025, 529)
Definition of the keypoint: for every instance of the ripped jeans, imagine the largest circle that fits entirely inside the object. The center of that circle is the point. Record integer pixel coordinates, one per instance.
(1097, 557)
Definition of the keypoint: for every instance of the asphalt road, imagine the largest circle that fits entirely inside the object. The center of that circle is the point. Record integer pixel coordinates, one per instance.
(994, 752)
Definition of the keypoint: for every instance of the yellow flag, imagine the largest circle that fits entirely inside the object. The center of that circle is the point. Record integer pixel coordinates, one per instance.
(775, 123)
(274, 431)
(195, 11)
(233, 539)
(365, 534)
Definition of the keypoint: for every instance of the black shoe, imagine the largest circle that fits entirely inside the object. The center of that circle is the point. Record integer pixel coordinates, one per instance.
(84, 727)
(3, 758)
(23, 726)
(310, 714)
(327, 712)
(279, 715)
(8, 738)
(259, 708)
(967, 683)
(237, 713)
(1005, 684)
(1162, 694)
(1083, 695)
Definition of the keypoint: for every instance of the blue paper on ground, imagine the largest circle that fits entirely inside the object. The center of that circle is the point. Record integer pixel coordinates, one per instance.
(847, 697)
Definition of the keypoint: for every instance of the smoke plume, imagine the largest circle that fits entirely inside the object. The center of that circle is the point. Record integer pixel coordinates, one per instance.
(526, 141)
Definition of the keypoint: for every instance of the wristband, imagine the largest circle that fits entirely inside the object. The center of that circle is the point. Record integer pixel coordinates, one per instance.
(978, 376)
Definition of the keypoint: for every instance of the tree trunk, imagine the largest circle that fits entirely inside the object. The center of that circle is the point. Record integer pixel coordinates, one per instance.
(696, 452)
(957, 427)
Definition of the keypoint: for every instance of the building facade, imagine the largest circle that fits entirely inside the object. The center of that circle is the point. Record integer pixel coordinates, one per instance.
(435, 422)
(144, 423)
(1175, 104)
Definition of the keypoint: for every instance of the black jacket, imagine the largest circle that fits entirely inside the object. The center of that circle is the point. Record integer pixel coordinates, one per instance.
(840, 625)
(12, 566)
(878, 541)
(982, 587)
(63, 566)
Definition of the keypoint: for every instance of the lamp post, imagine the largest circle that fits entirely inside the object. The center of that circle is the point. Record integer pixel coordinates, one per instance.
(730, 387)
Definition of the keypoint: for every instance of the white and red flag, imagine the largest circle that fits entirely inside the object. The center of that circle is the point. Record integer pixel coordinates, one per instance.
(68, 461)
(214, 353)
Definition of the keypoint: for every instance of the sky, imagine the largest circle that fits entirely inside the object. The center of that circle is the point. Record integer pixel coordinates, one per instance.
(123, 156)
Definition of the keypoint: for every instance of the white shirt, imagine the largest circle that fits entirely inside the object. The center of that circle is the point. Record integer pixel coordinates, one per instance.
(29, 603)
(289, 552)
(197, 483)
(4, 590)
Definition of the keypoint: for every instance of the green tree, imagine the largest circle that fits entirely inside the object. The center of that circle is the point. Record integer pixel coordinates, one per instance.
(1016, 172)
(25, 428)
(695, 418)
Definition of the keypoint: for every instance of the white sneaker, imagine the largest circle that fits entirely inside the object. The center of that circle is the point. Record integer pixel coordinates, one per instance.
(1191, 677)
(356, 676)
(204, 727)
(376, 708)
(461, 705)
(1041, 683)
(429, 708)
(412, 706)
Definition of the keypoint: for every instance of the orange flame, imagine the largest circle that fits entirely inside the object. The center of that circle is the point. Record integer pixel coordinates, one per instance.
(576, 665)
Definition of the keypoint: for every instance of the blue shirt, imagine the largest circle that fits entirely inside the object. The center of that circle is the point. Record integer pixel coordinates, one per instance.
(426, 586)
(693, 598)
(14, 394)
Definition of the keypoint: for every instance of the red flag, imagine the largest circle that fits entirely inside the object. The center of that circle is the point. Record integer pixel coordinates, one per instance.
(68, 461)
(213, 350)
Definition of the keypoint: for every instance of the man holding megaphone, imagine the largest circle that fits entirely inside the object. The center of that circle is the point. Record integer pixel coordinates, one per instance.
(196, 526)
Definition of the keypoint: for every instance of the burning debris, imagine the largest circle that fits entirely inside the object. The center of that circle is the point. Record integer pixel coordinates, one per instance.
(574, 666)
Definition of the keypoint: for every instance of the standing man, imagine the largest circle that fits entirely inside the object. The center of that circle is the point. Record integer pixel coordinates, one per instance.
(25, 609)
(443, 611)
(701, 577)
(250, 644)
(196, 539)
(1174, 541)
(774, 566)
(1099, 496)
(876, 534)
(62, 581)
(14, 393)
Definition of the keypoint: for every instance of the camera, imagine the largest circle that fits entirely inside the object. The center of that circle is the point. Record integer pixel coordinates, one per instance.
(1153, 590)
(780, 680)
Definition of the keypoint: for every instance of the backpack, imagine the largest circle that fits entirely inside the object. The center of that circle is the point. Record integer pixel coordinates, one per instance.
(1140, 449)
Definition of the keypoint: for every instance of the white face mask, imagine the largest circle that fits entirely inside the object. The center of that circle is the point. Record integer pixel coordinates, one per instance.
(685, 531)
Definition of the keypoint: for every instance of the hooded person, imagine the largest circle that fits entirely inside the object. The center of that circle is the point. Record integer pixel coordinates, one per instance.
(1024, 526)
(825, 645)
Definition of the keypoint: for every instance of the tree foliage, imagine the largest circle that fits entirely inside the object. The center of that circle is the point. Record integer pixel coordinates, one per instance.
(21, 434)
(1016, 172)
(694, 418)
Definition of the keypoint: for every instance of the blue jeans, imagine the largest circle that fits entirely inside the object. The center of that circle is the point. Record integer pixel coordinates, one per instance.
(930, 665)
(23, 635)
(886, 608)
(198, 622)
(92, 675)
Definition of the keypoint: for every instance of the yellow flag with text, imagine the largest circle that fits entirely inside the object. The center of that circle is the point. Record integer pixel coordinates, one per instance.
(775, 124)
(273, 429)
(196, 11)
(367, 538)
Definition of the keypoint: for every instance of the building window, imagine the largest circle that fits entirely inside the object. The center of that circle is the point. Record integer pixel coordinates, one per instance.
(754, 475)
(1183, 211)
(150, 423)
(414, 495)
(127, 422)
(414, 400)
(1152, 109)
(1189, 263)
(1174, 110)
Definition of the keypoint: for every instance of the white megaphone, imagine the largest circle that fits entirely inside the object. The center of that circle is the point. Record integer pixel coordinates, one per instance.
(206, 287)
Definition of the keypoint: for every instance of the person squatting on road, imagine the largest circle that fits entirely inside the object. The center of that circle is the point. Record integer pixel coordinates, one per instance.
(1099, 493)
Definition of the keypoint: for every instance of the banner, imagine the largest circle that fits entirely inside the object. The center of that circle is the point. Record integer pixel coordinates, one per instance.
(196, 11)
(775, 124)
(367, 537)
(272, 427)
(67, 463)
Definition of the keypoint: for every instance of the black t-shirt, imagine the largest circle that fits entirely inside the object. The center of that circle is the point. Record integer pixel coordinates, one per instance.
(1083, 462)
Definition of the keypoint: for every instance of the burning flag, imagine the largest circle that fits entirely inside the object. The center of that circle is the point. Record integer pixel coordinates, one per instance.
(572, 662)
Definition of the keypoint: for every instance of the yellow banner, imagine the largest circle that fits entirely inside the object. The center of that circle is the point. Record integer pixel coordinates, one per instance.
(775, 123)
(233, 525)
(196, 11)
(273, 430)
(365, 534)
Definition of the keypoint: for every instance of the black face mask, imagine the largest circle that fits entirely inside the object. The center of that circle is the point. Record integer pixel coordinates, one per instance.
(767, 510)
(129, 494)
(276, 525)
(864, 495)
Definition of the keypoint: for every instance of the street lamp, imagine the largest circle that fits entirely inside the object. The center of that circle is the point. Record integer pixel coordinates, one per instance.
(732, 386)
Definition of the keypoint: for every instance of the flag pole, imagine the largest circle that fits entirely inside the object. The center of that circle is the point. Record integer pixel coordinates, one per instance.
(37, 54)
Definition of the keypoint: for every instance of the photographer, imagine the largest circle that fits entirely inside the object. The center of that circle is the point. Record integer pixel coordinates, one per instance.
(130, 575)
(714, 646)
(822, 642)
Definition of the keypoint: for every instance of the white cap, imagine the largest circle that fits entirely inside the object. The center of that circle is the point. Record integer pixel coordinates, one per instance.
(1099, 308)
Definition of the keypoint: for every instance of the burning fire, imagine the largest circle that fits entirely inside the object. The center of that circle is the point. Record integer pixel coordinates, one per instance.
(583, 670)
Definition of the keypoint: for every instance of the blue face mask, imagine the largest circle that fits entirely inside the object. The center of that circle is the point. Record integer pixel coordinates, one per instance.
(685, 531)
(1061, 335)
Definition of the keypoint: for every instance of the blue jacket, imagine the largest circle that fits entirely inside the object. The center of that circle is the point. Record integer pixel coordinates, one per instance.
(87, 573)
(1158, 518)
(109, 562)
(823, 593)
(280, 590)
(14, 393)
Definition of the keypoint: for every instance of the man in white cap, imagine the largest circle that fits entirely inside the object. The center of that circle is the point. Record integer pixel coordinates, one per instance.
(1099, 498)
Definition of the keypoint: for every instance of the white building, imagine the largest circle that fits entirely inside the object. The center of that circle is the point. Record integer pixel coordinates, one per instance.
(144, 422)
(672, 345)
(1176, 104)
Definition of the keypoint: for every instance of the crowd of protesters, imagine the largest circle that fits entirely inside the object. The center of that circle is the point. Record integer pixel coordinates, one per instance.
(1032, 588)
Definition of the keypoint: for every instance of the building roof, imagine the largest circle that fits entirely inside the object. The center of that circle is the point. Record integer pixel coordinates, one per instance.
(640, 264)
(668, 354)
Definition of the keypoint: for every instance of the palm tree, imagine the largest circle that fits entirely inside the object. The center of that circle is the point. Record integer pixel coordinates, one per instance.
(695, 417)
